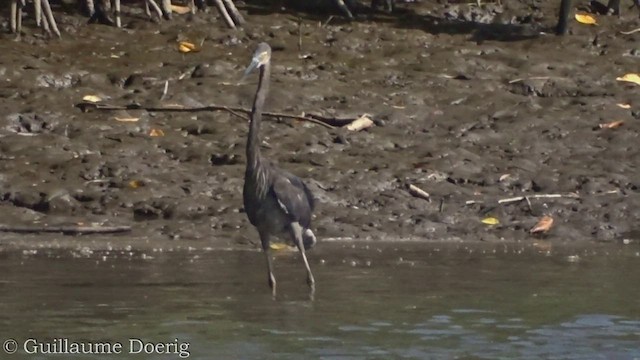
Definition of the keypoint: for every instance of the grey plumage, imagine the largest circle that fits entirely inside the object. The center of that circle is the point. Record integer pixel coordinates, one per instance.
(276, 201)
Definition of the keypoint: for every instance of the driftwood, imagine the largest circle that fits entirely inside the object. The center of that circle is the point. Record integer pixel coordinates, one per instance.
(327, 122)
(67, 230)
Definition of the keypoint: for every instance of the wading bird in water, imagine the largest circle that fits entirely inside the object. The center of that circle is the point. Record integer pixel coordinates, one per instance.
(276, 201)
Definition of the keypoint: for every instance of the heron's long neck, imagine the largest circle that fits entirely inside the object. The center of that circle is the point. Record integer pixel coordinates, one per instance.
(253, 143)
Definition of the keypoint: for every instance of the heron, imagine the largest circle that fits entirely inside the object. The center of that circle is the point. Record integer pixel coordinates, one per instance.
(276, 201)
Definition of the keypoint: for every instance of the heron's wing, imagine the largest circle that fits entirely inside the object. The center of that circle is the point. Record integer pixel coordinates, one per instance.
(294, 198)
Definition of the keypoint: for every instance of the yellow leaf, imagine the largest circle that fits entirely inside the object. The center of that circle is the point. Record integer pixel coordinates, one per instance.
(624, 106)
(134, 184)
(187, 47)
(490, 221)
(611, 125)
(180, 9)
(631, 77)
(278, 246)
(543, 225)
(91, 98)
(156, 132)
(586, 19)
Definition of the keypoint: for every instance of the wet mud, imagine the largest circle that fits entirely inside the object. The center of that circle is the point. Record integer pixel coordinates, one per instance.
(472, 105)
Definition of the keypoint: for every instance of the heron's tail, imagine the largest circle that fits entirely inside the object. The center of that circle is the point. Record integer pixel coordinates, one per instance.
(308, 239)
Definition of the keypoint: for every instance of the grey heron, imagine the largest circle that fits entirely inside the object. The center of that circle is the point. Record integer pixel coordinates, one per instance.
(276, 201)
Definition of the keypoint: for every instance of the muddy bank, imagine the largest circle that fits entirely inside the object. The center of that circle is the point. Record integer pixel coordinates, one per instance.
(478, 111)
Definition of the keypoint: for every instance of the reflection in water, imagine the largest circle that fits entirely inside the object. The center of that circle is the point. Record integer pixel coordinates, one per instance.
(395, 301)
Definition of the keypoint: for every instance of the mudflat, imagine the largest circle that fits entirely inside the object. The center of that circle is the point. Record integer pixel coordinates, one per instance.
(474, 105)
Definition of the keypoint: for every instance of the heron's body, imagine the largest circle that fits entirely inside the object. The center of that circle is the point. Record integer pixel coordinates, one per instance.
(276, 201)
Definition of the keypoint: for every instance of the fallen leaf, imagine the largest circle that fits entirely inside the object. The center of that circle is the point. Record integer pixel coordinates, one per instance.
(543, 225)
(134, 184)
(91, 98)
(624, 106)
(586, 19)
(360, 123)
(277, 246)
(180, 9)
(490, 221)
(611, 125)
(127, 119)
(156, 132)
(187, 47)
(631, 77)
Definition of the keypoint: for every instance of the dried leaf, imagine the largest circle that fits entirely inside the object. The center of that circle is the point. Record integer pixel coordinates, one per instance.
(360, 123)
(187, 47)
(134, 184)
(586, 19)
(156, 132)
(127, 119)
(490, 221)
(624, 106)
(91, 98)
(611, 125)
(543, 225)
(277, 246)
(631, 77)
(180, 9)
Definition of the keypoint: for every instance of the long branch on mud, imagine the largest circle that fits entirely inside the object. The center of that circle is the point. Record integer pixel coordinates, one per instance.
(328, 122)
(527, 197)
(68, 229)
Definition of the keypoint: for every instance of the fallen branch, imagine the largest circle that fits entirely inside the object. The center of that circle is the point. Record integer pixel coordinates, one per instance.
(327, 122)
(67, 230)
(527, 197)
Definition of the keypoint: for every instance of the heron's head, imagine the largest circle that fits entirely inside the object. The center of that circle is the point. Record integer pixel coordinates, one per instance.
(261, 56)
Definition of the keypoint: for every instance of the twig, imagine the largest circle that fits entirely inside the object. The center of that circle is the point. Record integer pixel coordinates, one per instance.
(537, 196)
(166, 89)
(530, 78)
(70, 230)
(299, 34)
(330, 123)
(331, 17)
(417, 192)
(630, 32)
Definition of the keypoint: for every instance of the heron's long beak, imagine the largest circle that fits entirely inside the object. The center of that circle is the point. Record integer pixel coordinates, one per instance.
(255, 62)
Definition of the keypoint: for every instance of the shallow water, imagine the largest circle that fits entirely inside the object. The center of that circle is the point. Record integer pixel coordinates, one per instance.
(384, 301)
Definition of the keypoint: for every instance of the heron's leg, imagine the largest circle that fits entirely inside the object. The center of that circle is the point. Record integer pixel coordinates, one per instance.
(296, 233)
(264, 239)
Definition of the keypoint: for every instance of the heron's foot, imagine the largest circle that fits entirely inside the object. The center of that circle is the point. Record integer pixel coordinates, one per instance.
(272, 283)
(310, 280)
(312, 292)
